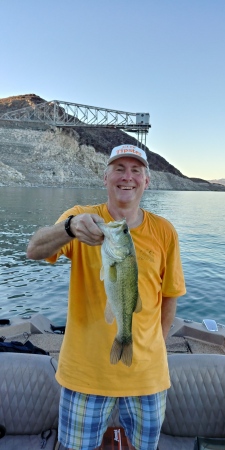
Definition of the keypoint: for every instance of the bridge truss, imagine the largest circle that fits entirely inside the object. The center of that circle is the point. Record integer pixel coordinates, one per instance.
(65, 114)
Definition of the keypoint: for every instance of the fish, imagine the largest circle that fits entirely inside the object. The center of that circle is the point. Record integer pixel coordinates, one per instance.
(120, 275)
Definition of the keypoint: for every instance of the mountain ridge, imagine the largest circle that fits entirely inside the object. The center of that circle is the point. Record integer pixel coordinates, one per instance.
(36, 154)
(219, 181)
(103, 140)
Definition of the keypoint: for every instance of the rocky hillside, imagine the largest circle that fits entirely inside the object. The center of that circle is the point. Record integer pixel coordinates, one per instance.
(220, 181)
(42, 155)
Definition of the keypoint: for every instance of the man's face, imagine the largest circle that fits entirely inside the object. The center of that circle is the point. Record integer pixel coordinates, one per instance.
(126, 180)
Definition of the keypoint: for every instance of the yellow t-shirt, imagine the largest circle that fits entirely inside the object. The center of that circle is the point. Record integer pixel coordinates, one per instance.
(84, 361)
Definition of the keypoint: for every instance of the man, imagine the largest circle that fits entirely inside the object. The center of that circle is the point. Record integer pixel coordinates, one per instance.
(90, 384)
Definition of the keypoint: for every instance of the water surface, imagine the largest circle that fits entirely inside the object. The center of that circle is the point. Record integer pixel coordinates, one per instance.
(36, 286)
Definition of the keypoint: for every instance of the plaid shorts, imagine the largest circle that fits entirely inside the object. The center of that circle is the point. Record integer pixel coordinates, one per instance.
(83, 419)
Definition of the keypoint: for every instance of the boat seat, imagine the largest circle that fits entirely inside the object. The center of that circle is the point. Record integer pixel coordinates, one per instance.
(195, 402)
(29, 401)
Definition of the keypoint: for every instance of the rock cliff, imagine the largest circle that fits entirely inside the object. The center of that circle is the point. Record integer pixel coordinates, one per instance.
(34, 154)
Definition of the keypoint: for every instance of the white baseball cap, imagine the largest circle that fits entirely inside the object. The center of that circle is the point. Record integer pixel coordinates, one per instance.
(128, 150)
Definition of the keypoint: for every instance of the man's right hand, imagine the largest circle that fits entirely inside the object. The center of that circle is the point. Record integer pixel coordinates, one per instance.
(48, 241)
(84, 227)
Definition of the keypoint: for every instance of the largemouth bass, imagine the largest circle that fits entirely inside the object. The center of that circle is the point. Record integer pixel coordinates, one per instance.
(120, 274)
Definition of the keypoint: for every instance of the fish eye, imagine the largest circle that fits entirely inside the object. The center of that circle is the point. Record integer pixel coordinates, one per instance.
(125, 230)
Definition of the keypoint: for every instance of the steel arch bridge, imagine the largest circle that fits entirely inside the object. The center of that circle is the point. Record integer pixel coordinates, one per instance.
(65, 114)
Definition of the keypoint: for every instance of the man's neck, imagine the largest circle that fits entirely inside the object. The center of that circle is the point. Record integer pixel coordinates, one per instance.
(133, 216)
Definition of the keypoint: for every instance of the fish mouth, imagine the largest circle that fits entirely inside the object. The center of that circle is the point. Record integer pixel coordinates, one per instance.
(117, 252)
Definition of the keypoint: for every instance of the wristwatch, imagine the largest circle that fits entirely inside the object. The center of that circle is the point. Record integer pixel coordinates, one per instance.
(67, 227)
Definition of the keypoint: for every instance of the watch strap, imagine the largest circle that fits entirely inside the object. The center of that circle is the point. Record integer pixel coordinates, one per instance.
(67, 227)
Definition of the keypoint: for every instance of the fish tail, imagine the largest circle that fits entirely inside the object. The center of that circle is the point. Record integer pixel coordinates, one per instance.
(116, 351)
(121, 351)
(127, 354)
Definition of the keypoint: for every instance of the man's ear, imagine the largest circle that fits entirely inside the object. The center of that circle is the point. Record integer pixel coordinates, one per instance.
(105, 179)
(147, 183)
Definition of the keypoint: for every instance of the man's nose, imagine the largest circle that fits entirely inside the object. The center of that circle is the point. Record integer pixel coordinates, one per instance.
(127, 175)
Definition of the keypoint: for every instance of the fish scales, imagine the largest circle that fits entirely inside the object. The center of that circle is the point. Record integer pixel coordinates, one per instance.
(120, 274)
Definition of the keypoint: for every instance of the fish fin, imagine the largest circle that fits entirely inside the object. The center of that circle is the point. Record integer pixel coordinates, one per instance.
(127, 354)
(116, 351)
(138, 305)
(113, 273)
(109, 316)
(121, 351)
(102, 273)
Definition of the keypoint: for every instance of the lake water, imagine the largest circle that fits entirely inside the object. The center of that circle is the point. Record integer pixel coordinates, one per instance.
(33, 286)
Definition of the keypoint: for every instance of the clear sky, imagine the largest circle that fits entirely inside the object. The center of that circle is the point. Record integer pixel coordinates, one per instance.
(165, 57)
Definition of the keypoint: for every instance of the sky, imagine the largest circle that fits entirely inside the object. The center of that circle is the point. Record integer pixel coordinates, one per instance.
(162, 57)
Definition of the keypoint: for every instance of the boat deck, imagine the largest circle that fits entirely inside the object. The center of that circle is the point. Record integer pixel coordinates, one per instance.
(185, 336)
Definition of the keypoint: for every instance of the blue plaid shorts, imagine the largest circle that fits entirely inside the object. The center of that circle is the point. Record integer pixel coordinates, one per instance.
(83, 419)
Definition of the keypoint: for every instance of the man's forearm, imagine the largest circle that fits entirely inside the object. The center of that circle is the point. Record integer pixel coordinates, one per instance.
(47, 241)
(168, 311)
